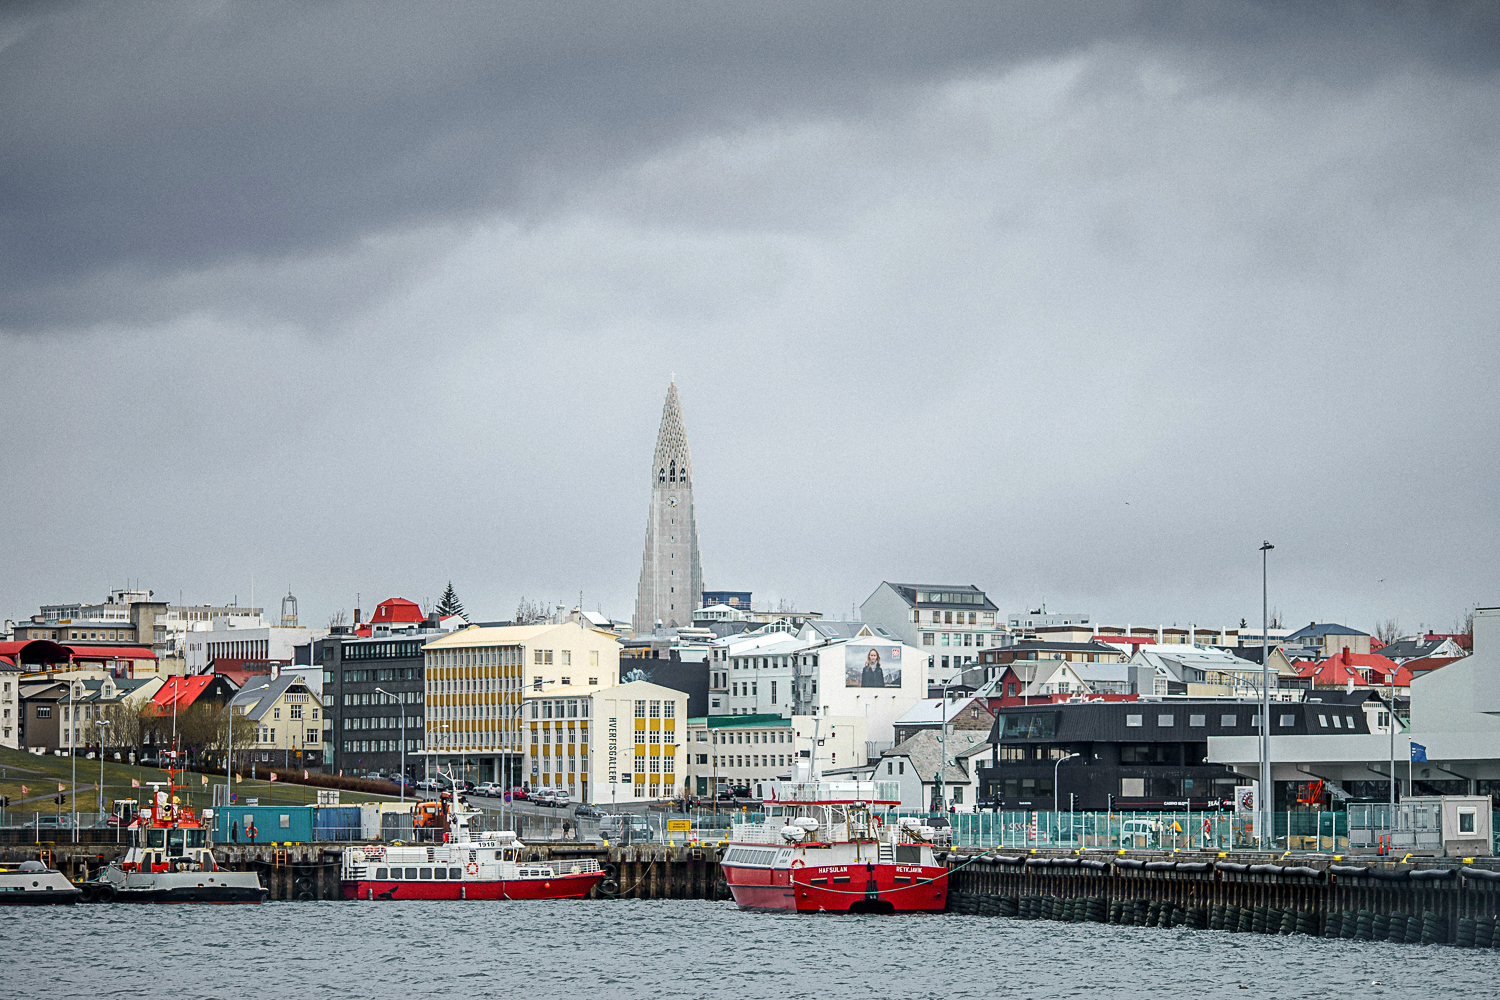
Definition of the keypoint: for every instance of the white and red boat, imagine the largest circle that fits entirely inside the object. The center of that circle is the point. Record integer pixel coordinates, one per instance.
(826, 845)
(171, 859)
(491, 866)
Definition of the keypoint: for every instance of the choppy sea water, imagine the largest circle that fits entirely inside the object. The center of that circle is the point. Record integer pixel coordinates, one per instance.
(602, 950)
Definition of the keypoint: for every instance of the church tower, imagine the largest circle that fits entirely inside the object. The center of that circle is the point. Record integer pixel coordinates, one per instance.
(671, 573)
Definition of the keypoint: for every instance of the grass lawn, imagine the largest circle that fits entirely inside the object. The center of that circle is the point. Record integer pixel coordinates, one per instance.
(42, 775)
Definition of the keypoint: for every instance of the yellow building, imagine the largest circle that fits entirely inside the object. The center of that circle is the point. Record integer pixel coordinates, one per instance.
(603, 745)
(476, 678)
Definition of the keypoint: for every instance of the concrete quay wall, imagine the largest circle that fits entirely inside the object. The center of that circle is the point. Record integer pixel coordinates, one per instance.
(1438, 901)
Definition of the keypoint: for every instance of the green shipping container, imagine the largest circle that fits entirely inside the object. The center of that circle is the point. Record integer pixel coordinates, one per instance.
(270, 824)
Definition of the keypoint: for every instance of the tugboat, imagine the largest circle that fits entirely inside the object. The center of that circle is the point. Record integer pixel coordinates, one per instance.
(34, 884)
(825, 846)
(171, 860)
(490, 867)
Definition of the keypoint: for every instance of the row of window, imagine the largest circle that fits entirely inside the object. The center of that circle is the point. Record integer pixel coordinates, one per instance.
(781, 736)
(377, 698)
(381, 722)
(948, 617)
(382, 650)
(958, 639)
(658, 710)
(381, 675)
(380, 746)
(1286, 720)
(752, 760)
(561, 708)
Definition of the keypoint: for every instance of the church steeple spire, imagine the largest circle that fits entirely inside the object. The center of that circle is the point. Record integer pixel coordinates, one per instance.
(671, 586)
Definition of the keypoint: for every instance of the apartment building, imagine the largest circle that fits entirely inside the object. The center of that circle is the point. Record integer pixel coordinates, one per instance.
(951, 622)
(477, 678)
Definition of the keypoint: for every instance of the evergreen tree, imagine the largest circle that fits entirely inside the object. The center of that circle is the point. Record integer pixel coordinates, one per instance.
(449, 604)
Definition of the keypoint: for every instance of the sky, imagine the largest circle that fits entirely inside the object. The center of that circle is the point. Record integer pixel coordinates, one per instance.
(1078, 303)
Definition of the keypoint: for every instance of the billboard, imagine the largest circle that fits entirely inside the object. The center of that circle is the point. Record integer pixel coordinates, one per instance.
(872, 665)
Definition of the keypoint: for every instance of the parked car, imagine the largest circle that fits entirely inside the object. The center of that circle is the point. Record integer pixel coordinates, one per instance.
(584, 809)
(519, 794)
(431, 785)
(546, 797)
(617, 827)
(464, 785)
(50, 823)
(489, 788)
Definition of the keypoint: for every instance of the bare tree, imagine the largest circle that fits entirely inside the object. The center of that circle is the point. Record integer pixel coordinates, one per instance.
(124, 728)
(1275, 618)
(1387, 631)
(531, 612)
(1464, 623)
(337, 619)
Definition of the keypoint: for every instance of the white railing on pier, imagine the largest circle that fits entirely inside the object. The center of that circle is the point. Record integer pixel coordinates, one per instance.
(837, 791)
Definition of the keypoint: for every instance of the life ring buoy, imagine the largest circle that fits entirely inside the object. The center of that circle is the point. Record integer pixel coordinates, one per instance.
(472, 868)
(798, 863)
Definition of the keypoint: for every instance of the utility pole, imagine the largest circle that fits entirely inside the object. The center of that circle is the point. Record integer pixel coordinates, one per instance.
(1263, 799)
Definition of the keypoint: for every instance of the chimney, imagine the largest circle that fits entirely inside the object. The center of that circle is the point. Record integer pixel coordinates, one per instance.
(1347, 658)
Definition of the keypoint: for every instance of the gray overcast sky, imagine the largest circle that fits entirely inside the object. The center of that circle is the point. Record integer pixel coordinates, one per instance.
(1075, 302)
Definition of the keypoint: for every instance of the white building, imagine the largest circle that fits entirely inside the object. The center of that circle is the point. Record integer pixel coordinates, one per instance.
(607, 745)
(10, 704)
(1463, 696)
(913, 765)
(875, 679)
(242, 637)
(948, 621)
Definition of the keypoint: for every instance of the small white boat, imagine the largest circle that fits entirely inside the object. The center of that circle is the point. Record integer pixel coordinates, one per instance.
(34, 884)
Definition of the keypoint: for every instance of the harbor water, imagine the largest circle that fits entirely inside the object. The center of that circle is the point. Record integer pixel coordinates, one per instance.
(679, 948)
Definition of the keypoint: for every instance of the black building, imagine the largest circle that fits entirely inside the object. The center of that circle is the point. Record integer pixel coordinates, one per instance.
(369, 685)
(1131, 754)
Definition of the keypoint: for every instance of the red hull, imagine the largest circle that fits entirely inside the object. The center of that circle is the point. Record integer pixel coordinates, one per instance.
(561, 887)
(811, 889)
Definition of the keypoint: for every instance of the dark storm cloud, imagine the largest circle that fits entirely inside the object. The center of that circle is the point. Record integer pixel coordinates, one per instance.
(145, 145)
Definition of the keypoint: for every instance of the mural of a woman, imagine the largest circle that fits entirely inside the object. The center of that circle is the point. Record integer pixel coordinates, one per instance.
(873, 676)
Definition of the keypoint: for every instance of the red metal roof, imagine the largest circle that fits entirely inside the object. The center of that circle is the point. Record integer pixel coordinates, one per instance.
(110, 652)
(396, 609)
(182, 690)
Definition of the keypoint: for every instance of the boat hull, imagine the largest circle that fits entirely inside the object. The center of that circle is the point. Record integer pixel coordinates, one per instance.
(32, 898)
(860, 888)
(216, 886)
(557, 887)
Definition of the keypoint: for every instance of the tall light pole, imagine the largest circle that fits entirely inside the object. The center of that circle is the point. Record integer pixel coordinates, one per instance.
(73, 749)
(1263, 800)
(100, 794)
(1055, 803)
(943, 741)
(402, 783)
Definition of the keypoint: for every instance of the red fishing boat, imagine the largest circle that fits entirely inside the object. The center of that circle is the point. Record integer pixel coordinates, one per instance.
(829, 845)
(491, 866)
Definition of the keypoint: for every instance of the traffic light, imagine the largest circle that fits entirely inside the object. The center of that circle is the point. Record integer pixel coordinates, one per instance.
(4, 801)
(60, 799)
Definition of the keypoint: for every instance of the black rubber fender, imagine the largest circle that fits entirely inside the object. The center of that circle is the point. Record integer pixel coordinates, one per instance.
(304, 897)
(1231, 866)
(1433, 874)
(1161, 866)
(1357, 871)
(1483, 874)
(1135, 863)
(105, 893)
(1009, 859)
(1194, 866)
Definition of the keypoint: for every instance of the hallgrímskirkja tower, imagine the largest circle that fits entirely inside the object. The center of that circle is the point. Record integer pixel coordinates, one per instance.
(671, 571)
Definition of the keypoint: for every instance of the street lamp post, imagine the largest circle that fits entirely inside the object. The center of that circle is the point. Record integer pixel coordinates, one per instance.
(943, 745)
(100, 794)
(1055, 801)
(1263, 799)
(402, 783)
(73, 749)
